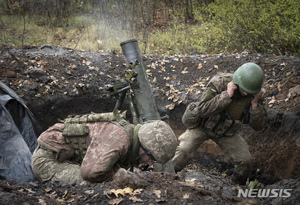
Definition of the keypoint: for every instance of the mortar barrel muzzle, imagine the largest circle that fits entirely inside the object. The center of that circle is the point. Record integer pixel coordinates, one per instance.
(131, 51)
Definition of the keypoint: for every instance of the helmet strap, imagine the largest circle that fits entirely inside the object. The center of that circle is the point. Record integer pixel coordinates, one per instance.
(146, 152)
(139, 156)
(136, 153)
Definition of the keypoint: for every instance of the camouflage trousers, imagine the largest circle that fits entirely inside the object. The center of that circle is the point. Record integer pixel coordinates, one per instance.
(234, 146)
(46, 168)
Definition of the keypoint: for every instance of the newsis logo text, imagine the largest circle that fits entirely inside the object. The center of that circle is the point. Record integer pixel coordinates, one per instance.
(264, 193)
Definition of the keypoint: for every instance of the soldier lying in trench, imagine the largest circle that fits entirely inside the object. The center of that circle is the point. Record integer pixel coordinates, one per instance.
(99, 147)
(229, 101)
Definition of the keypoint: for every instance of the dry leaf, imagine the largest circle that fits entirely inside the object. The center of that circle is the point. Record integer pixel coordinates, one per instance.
(115, 201)
(190, 181)
(279, 86)
(216, 66)
(95, 196)
(42, 202)
(48, 189)
(272, 101)
(157, 193)
(186, 196)
(122, 192)
(170, 107)
(137, 191)
(70, 200)
(89, 192)
(135, 199)
(154, 80)
(65, 194)
(153, 66)
(21, 190)
(30, 190)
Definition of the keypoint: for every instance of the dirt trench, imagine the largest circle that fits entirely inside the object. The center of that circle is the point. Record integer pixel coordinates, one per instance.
(56, 82)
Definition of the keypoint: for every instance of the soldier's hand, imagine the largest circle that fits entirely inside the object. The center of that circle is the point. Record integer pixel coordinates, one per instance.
(231, 87)
(255, 99)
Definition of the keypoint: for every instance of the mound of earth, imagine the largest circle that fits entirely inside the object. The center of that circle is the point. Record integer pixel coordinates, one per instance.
(56, 82)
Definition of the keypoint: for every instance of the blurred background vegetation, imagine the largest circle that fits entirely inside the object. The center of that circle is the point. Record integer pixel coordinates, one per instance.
(163, 27)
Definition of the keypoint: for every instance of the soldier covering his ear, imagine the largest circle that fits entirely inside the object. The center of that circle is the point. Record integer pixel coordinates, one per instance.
(228, 101)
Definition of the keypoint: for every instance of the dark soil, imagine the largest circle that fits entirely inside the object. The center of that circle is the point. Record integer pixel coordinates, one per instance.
(56, 82)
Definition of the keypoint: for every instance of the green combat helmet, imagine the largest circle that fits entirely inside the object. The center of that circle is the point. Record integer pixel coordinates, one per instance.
(159, 139)
(249, 77)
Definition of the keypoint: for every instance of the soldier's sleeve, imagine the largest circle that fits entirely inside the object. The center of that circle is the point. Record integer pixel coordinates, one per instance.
(258, 117)
(53, 139)
(210, 104)
(213, 102)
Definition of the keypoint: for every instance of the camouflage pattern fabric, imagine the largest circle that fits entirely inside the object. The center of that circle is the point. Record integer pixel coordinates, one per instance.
(53, 139)
(46, 168)
(167, 167)
(107, 143)
(235, 147)
(211, 119)
(95, 117)
(159, 139)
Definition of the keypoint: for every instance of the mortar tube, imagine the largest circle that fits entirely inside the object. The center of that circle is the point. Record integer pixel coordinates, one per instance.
(145, 102)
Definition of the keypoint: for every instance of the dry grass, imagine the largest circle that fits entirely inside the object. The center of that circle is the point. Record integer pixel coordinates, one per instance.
(83, 34)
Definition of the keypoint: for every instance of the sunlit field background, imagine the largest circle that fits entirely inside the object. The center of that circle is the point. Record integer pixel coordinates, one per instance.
(165, 27)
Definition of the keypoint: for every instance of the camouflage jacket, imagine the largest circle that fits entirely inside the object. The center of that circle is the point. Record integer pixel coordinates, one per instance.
(108, 147)
(218, 113)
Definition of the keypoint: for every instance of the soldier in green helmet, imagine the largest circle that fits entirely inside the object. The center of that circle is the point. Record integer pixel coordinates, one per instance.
(228, 101)
(98, 147)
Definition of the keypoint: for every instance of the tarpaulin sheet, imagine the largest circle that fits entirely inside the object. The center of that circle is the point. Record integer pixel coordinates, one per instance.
(18, 137)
